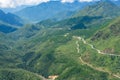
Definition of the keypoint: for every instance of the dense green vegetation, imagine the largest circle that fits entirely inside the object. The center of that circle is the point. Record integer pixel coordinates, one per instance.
(108, 37)
(51, 48)
(18, 74)
(106, 40)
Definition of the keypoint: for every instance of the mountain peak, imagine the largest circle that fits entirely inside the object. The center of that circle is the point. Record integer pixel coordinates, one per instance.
(54, 8)
(10, 18)
(106, 2)
(104, 8)
(1, 12)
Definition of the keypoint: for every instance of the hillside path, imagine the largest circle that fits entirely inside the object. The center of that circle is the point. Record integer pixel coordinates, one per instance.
(85, 63)
(85, 42)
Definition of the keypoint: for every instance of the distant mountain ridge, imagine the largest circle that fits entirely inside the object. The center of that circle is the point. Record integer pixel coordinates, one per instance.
(10, 18)
(52, 9)
(9, 21)
(82, 47)
(103, 8)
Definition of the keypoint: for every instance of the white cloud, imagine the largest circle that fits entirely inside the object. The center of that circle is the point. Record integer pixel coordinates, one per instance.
(67, 1)
(77, 0)
(85, 0)
(6, 3)
(14, 3)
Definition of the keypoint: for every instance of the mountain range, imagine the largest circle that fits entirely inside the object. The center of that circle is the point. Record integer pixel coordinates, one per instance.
(10, 18)
(9, 22)
(81, 46)
(58, 10)
(53, 9)
(105, 9)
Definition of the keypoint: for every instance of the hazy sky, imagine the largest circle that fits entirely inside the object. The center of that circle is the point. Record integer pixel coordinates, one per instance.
(14, 3)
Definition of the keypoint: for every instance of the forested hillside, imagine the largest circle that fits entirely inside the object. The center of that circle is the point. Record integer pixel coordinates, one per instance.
(84, 46)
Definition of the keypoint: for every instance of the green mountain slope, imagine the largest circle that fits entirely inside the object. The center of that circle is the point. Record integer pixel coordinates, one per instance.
(110, 37)
(6, 28)
(84, 25)
(53, 51)
(102, 50)
(18, 74)
(52, 48)
(58, 56)
(106, 9)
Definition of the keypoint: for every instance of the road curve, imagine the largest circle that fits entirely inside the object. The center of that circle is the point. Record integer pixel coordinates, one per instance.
(85, 63)
(85, 42)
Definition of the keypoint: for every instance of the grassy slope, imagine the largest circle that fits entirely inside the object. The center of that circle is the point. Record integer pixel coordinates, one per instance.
(53, 53)
(107, 39)
(100, 9)
(110, 44)
(47, 51)
(17, 74)
(61, 59)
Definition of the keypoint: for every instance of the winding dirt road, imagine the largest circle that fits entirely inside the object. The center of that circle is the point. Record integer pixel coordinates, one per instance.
(78, 50)
(98, 68)
(93, 67)
(83, 40)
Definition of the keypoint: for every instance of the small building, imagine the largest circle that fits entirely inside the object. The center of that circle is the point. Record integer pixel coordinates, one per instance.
(53, 77)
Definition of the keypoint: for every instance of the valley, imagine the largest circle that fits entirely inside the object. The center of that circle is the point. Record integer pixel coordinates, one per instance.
(76, 41)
